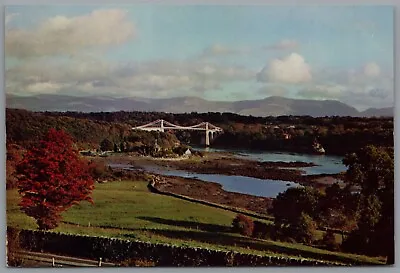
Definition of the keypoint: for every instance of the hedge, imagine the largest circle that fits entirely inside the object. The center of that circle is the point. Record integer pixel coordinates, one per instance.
(118, 250)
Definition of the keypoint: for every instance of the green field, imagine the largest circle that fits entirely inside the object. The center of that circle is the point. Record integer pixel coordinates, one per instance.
(128, 210)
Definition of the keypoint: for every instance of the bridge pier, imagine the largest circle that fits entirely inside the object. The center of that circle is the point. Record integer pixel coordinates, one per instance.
(162, 126)
(207, 136)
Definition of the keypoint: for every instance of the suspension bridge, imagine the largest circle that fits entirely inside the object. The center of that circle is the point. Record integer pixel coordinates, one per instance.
(163, 125)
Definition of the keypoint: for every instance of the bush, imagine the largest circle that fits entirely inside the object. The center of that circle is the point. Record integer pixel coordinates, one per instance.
(13, 246)
(262, 230)
(137, 253)
(180, 150)
(99, 170)
(303, 231)
(138, 263)
(329, 241)
(356, 242)
(243, 224)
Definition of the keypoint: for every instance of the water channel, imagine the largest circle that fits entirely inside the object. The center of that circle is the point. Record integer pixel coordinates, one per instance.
(254, 186)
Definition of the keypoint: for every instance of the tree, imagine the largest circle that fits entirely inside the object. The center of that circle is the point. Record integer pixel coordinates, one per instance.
(329, 241)
(52, 178)
(14, 156)
(106, 145)
(288, 206)
(339, 207)
(372, 169)
(303, 230)
(293, 212)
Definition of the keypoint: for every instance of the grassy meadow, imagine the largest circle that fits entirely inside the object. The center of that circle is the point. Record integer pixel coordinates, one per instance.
(128, 210)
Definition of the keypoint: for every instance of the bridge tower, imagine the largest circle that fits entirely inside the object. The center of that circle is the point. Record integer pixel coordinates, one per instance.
(207, 136)
(162, 126)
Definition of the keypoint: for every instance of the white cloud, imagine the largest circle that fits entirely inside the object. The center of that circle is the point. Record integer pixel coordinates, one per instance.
(9, 17)
(274, 90)
(379, 93)
(372, 70)
(207, 70)
(365, 86)
(43, 87)
(323, 92)
(217, 50)
(204, 71)
(286, 44)
(94, 77)
(292, 69)
(68, 35)
(363, 100)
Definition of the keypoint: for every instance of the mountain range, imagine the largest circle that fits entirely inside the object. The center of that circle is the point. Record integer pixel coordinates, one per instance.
(270, 106)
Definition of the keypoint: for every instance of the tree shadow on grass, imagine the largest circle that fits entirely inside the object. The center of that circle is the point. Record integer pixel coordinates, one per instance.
(214, 238)
(248, 243)
(187, 224)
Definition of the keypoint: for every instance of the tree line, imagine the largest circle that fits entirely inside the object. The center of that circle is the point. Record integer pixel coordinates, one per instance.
(337, 135)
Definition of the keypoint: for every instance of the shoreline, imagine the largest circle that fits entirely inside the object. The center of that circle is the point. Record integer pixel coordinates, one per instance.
(211, 192)
(221, 164)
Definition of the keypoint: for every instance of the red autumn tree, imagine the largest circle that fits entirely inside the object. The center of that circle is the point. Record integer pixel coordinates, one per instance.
(52, 178)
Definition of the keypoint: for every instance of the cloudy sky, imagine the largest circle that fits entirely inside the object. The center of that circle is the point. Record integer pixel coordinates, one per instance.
(213, 52)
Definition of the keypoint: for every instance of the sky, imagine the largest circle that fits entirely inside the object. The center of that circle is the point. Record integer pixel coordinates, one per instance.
(223, 53)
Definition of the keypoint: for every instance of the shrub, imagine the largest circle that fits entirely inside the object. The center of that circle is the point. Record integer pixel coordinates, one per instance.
(13, 246)
(243, 224)
(99, 170)
(106, 145)
(329, 241)
(138, 263)
(262, 230)
(356, 242)
(304, 229)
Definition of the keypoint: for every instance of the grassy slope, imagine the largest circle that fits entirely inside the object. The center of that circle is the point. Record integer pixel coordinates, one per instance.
(128, 210)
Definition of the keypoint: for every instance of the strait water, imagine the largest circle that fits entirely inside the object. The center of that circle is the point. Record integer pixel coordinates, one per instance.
(255, 186)
(326, 163)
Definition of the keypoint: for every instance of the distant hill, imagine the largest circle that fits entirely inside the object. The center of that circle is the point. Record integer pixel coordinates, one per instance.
(271, 106)
(381, 112)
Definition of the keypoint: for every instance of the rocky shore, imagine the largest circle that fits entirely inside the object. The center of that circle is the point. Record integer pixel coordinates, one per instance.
(226, 165)
(285, 171)
(212, 192)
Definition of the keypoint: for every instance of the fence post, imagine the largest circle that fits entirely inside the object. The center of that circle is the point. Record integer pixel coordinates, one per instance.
(100, 262)
(53, 262)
